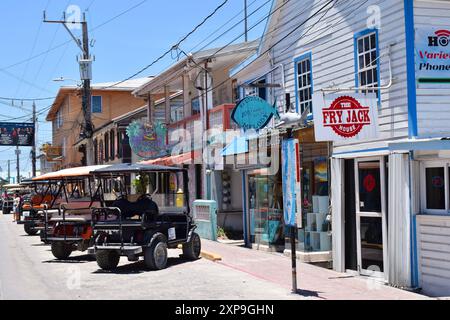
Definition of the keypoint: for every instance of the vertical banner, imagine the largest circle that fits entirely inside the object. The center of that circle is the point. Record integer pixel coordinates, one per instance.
(291, 183)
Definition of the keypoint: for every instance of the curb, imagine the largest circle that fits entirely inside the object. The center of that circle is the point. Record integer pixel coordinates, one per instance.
(210, 256)
(206, 255)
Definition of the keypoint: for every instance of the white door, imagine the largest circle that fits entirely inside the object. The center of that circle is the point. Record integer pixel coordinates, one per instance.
(371, 231)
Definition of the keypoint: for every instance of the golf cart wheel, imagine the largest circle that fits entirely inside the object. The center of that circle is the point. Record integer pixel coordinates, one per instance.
(155, 256)
(192, 249)
(6, 211)
(61, 250)
(107, 259)
(28, 227)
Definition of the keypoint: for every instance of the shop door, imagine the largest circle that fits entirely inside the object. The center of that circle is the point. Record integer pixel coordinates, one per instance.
(371, 232)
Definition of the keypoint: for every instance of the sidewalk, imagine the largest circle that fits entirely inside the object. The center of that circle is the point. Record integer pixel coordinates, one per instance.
(314, 282)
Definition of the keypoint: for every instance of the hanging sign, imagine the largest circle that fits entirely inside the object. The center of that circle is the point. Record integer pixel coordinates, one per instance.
(345, 117)
(253, 113)
(16, 134)
(147, 140)
(433, 54)
(291, 183)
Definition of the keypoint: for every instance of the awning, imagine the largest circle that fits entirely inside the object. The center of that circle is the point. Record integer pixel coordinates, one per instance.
(69, 173)
(239, 145)
(420, 144)
(185, 158)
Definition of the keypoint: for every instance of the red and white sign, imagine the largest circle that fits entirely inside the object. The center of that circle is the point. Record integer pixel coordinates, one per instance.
(345, 117)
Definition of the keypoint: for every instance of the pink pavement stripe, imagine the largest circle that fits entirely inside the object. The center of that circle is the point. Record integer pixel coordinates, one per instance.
(276, 269)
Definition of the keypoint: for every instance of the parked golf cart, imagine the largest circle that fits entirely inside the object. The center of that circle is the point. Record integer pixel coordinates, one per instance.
(157, 219)
(69, 228)
(36, 206)
(8, 202)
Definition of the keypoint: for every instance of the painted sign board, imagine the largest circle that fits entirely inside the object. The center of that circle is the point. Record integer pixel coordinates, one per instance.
(291, 183)
(16, 134)
(253, 113)
(147, 140)
(433, 54)
(345, 117)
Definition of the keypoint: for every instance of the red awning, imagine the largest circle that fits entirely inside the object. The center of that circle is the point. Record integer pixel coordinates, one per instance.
(185, 158)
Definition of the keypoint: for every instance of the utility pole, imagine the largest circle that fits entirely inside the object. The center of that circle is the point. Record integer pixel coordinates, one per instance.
(33, 147)
(17, 163)
(9, 171)
(245, 21)
(86, 75)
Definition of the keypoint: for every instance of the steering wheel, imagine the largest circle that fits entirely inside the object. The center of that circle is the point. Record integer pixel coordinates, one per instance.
(122, 196)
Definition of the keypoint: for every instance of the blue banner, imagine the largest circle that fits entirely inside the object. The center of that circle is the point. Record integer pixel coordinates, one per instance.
(291, 181)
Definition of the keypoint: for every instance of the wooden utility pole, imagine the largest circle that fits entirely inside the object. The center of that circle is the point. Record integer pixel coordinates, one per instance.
(9, 171)
(18, 163)
(86, 76)
(33, 147)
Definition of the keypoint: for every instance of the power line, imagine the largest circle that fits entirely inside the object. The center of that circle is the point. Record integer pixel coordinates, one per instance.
(68, 41)
(175, 46)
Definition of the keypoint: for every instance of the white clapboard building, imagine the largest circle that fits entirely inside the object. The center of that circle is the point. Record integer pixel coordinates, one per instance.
(373, 78)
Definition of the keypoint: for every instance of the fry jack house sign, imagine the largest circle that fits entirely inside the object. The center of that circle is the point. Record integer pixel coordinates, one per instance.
(345, 117)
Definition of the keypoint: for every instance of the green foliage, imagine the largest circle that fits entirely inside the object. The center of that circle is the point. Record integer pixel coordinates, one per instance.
(140, 184)
(221, 232)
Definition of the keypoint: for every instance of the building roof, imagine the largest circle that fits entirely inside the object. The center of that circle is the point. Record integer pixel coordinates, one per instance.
(63, 91)
(222, 56)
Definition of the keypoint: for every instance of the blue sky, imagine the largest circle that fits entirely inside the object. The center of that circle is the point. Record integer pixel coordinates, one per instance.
(33, 53)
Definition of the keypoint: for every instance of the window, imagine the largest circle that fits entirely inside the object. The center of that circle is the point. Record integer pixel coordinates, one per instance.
(96, 104)
(95, 151)
(303, 83)
(436, 187)
(259, 90)
(367, 62)
(112, 153)
(106, 147)
(59, 119)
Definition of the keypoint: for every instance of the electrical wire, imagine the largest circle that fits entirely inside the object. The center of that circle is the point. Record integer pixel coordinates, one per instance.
(174, 47)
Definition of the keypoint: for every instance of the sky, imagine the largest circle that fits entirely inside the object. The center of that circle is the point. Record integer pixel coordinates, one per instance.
(125, 37)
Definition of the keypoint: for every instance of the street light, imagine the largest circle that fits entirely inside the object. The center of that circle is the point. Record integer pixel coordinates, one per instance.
(62, 79)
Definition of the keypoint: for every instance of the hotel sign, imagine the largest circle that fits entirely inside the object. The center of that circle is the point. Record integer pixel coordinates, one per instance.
(433, 54)
(345, 117)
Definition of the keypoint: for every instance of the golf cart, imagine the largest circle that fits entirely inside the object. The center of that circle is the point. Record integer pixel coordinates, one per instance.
(8, 202)
(69, 228)
(36, 206)
(148, 223)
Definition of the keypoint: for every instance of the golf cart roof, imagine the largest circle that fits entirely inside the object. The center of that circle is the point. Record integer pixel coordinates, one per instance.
(134, 168)
(12, 186)
(70, 173)
(29, 181)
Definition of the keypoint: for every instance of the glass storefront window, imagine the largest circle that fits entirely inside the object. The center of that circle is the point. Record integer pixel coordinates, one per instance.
(369, 186)
(315, 236)
(266, 212)
(435, 188)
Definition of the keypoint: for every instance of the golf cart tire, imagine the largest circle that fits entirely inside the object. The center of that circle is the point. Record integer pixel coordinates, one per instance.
(28, 227)
(107, 259)
(61, 250)
(155, 255)
(192, 249)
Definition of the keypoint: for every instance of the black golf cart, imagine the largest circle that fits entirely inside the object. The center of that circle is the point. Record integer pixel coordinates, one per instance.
(155, 219)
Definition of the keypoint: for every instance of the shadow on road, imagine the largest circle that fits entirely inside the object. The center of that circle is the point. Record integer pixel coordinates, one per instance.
(139, 267)
(76, 259)
(309, 294)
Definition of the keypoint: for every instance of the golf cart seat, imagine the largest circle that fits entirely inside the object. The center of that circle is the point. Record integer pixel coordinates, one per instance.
(130, 209)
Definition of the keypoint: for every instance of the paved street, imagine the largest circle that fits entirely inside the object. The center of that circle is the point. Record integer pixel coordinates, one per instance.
(29, 271)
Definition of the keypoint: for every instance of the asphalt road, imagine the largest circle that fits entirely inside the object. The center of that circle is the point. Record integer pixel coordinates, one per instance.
(28, 270)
